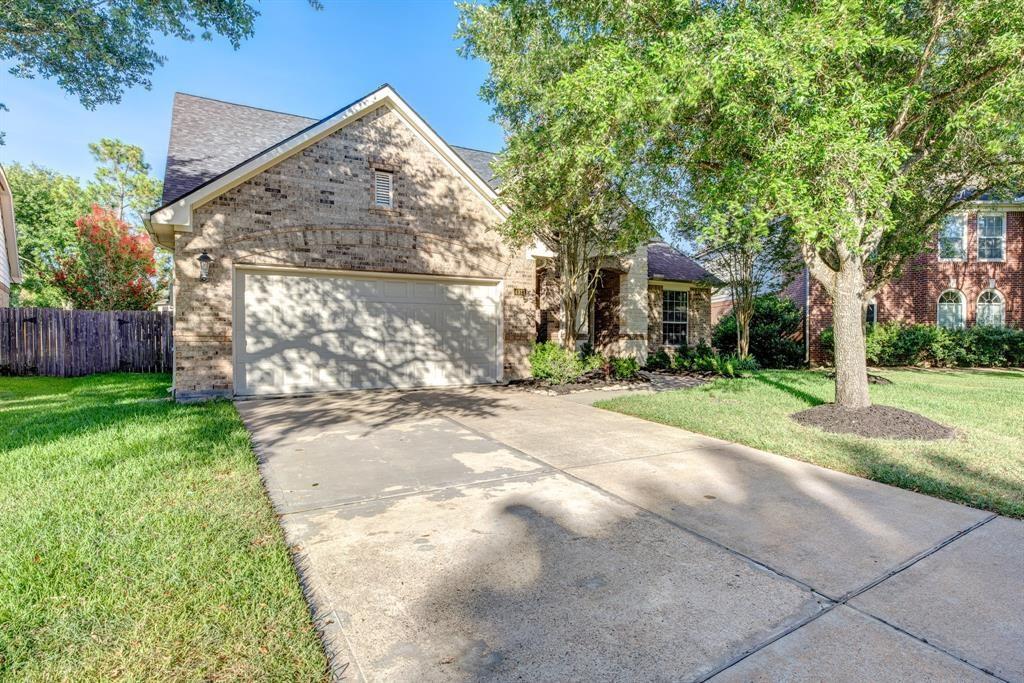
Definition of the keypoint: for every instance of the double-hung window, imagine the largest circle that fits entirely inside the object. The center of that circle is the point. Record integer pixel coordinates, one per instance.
(952, 238)
(991, 237)
(674, 318)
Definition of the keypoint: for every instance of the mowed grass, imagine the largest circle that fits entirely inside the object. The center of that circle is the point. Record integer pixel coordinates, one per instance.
(137, 542)
(983, 467)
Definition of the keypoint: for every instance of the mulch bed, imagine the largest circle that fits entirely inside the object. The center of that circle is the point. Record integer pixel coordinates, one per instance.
(877, 422)
(598, 381)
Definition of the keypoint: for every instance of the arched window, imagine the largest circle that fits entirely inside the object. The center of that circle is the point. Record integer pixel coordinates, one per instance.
(951, 309)
(991, 308)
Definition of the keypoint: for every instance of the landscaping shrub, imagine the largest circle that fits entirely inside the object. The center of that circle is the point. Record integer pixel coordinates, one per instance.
(659, 360)
(895, 344)
(558, 365)
(623, 368)
(775, 322)
(553, 362)
(702, 358)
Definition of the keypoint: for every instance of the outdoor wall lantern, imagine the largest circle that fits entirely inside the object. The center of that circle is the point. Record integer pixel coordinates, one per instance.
(204, 266)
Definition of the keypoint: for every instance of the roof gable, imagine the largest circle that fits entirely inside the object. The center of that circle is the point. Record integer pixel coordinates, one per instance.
(665, 262)
(176, 214)
(208, 137)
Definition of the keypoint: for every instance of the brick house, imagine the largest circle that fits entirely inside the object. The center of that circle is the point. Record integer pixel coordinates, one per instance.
(360, 251)
(10, 273)
(972, 274)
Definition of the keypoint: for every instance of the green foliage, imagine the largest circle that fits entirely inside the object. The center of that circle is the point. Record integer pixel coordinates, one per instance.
(729, 366)
(659, 360)
(775, 322)
(97, 50)
(46, 205)
(122, 182)
(860, 123)
(592, 361)
(898, 344)
(555, 363)
(563, 186)
(702, 358)
(623, 368)
(558, 365)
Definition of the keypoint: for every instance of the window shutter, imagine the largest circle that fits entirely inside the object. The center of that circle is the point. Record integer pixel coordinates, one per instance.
(382, 188)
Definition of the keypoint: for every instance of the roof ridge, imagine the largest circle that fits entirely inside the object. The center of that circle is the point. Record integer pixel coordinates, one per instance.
(246, 106)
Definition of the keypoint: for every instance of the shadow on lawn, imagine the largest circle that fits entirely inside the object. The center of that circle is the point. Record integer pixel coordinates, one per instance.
(47, 410)
(809, 399)
(950, 479)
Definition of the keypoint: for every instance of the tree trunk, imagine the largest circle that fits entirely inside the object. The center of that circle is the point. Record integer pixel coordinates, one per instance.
(570, 311)
(850, 351)
(743, 317)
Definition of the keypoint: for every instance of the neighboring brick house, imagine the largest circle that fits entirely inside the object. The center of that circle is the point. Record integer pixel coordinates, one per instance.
(360, 251)
(973, 273)
(10, 273)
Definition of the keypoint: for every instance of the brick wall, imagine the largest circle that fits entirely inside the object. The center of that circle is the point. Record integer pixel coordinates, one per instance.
(698, 316)
(914, 297)
(548, 304)
(654, 307)
(314, 209)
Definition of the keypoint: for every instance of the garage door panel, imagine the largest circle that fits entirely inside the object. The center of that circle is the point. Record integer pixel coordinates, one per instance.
(298, 333)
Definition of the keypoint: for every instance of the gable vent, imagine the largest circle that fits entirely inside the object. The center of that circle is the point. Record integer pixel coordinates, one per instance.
(382, 188)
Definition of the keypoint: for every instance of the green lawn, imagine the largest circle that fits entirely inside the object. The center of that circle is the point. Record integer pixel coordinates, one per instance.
(137, 542)
(982, 467)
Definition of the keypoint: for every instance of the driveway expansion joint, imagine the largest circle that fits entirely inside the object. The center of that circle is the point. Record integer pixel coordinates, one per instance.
(928, 643)
(828, 603)
(844, 601)
(782, 628)
(915, 559)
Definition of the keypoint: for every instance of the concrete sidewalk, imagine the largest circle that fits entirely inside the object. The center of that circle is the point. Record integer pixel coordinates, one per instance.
(496, 534)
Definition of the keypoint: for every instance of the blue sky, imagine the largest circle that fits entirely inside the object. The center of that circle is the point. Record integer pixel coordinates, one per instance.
(300, 61)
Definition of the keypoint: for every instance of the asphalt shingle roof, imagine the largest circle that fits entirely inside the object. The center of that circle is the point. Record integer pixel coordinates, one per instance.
(209, 137)
(665, 262)
(479, 161)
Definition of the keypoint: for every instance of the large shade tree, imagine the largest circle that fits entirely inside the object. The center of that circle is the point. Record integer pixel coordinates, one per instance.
(861, 122)
(565, 187)
(97, 49)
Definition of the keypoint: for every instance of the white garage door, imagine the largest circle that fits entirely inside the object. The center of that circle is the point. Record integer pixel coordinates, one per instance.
(304, 333)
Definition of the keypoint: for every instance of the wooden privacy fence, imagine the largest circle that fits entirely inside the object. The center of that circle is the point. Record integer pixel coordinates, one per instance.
(60, 343)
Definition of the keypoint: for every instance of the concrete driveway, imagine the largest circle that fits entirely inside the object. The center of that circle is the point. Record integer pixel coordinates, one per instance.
(493, 534)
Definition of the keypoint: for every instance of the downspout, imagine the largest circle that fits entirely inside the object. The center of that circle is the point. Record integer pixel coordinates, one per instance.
(807, 317)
